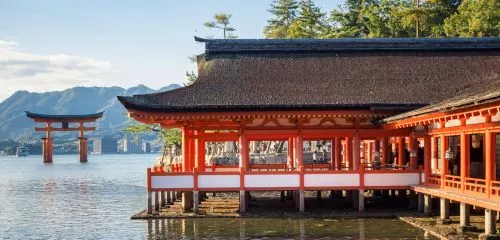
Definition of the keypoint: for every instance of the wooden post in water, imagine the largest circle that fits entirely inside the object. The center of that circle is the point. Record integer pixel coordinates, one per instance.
(149, 207)
(157, 203)
(162, 199)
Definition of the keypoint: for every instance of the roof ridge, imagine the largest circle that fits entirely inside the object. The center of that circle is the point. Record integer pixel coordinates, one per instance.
(241, 46)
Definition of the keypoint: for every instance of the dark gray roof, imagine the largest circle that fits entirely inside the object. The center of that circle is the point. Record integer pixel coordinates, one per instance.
(475, 94)
(318, 78)
(64, 117)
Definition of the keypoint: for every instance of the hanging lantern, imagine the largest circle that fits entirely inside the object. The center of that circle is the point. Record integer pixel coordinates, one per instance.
(413, 153)
(449, 154)
(476, 141)
(376, 156)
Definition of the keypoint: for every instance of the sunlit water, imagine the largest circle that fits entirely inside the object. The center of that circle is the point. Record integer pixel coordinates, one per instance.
(94, 200)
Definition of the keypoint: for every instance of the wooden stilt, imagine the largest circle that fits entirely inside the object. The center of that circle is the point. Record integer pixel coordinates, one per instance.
(150, 203)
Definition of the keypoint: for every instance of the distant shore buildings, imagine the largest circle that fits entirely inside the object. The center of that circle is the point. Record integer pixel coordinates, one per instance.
(111, 145)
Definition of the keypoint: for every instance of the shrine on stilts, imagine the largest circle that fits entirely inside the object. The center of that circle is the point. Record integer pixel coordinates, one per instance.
(409, 115)
(63, 123)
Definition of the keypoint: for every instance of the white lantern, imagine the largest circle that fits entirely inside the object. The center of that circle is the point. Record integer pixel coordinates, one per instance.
(476, 140)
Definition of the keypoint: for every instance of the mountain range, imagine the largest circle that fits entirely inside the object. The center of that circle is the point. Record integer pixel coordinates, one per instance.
(77, 100)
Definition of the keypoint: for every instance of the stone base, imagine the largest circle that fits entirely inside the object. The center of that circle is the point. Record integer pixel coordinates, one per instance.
(463, 229)
(484, 236)
(443, 221)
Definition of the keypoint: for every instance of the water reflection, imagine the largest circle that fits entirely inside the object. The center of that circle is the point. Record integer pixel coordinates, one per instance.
(235, 228)
(361, 229)
(48, 192)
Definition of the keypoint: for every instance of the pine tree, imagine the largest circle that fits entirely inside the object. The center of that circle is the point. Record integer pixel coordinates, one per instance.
(222, 21)
(284, 13)
(310, 22)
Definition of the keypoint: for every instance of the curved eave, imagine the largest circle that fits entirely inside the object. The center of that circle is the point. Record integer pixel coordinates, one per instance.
(130, 105)
(40, 116)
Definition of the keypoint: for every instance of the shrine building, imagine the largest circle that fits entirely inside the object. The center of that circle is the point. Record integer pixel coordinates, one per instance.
(398, 114)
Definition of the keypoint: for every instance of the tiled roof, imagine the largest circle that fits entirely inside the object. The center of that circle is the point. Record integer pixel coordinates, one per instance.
(242, 75)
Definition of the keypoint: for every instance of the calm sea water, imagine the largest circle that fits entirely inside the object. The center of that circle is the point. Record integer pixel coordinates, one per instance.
(94, 200)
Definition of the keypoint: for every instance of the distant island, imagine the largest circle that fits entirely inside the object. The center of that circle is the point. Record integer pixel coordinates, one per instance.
(17, 130)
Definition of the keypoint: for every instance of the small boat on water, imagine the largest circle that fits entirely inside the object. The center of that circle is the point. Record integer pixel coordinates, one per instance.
(22, 152)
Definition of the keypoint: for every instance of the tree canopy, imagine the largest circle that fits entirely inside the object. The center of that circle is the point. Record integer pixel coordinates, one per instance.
(385, 19)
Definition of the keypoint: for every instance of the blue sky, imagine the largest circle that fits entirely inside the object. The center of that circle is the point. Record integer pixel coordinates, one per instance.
(56, 44)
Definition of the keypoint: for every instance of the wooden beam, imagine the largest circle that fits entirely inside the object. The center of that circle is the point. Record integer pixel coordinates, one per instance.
(467, 129)
(71, 120)
(45, 129)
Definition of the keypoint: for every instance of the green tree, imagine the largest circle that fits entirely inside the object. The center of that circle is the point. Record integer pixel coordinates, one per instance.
(284, 14)
(475, 18)
(426, 18)
(222, 21)
(171, 136)
(347, 21)
(381, 20)
(310, 23)
(191, 76)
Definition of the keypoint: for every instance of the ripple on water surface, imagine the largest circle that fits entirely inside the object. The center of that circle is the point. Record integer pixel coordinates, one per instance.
(95, 200)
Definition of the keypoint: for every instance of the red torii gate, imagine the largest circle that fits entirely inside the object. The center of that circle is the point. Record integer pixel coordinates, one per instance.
(64, 120)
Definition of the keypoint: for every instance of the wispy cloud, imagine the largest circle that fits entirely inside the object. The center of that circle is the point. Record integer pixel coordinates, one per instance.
(33, 72)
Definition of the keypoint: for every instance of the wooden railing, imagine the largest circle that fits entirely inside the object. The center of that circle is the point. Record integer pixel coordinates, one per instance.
(495, 189)
(451, 181)
(476, 186)
(269, 167)
(435, 180)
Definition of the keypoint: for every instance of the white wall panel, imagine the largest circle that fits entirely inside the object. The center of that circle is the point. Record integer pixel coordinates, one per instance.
(271, 181)
(331, 180)
(391, 179)
(172, 182)
(219, 181)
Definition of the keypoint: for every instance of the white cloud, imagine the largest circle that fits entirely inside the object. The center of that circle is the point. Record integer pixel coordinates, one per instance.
(40, 73)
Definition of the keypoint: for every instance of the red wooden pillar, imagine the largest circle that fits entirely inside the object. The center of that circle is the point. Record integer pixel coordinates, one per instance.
(413, 147)
(434, 148)
(385, 151)
(344, 152)
(200, 152)
(192, 151)
(489, 143)
(244, 152)
(444, 162)
(427, 158)
(295, 158)
(369, 157)
(356, 145)
(299, 149)
(185, 149)
(83, 149)
(401, 150)
(349, 154)
(332, 154)
(338, 157)
(290, 152)
(464, 158)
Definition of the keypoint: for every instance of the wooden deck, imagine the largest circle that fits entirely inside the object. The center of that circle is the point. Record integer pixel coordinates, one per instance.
(453, 195)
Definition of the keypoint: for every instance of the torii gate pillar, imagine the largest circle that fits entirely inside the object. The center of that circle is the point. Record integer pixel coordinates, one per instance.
(47, 149)
(83, 149)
